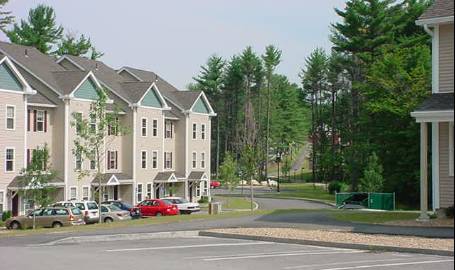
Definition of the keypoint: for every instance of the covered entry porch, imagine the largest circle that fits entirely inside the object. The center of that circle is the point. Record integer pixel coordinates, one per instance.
(436, 117)
(114, 186)
(168, 184)
(198, 186)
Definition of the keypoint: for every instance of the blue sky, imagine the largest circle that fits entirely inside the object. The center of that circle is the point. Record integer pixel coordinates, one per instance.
(174, 38)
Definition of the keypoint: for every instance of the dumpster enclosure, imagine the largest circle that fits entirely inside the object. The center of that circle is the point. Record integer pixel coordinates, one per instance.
(379, 201)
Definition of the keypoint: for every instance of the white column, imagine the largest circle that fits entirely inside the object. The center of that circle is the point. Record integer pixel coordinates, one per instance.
(435, 163)
(423, 172)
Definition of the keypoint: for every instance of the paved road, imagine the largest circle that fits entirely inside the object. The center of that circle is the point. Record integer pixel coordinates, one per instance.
(209, 253)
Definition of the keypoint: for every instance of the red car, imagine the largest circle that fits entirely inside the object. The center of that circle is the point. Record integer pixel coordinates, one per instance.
(215, 184)
(157, 208)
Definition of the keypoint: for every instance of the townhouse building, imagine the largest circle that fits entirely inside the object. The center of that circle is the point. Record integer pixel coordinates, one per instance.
(165, 152)
(436, 114)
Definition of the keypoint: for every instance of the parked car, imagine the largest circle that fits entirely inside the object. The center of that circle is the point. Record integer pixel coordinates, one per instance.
(215, 184)
(111, 213)
(135, 212)
(184, 206)
(51, 217)
(158, 207)
(89, 209)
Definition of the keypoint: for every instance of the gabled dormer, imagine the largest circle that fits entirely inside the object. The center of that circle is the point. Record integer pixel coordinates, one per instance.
(11, 80)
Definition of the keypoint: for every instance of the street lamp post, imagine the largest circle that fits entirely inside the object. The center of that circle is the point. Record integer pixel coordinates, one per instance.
(278, 160)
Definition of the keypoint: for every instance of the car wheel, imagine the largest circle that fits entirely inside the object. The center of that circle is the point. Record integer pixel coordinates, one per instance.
(158, 214)
(57, 225)
(15, 225)
(108, 220)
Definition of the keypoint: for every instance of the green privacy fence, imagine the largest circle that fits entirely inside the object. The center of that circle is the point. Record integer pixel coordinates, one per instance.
(379, 201)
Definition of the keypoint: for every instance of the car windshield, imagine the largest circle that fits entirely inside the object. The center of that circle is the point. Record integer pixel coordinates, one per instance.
(127, 205)
(81, 206)
(76, 211)
(92, 206)
(183, 201)
(167, 202)
(114, 208)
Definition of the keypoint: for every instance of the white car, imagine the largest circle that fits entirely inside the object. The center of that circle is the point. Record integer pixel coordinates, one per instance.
(89, 209)
(184, 206)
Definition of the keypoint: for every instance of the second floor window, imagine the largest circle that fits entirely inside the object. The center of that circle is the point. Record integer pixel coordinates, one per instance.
(78, 118)
(169, 126)
(155, 128)
(9, 159)
(194, 131)
(40, 120)
(168, 160)
(10, 117)
(144, 127)
(202, 160)
(112, 158)
(203, 132)
(93, 161)
(194, 160)
(112, 129)
(92, 123)
(144, 159)
(78, 161)
(154, 159)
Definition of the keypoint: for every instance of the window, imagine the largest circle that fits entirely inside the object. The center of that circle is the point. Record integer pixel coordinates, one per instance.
(149, 190)
(155, 159)
(155, 127)
(78, 161)
(93, 163)
(203, 131)
(206, 188)
(194, 160)
(168, 160)
(194, 131)
(40, 121)
(85, 193)
(73, 193)
(78, 117)
(2, 198)
(92, 123)
(451, 153)
(202, 160)
(9, 159)
(198, 190)
(10, 117)
(112, 158)
(144, 159)
(144, 127)
(112, 129)
(139, 192)
(169, 126)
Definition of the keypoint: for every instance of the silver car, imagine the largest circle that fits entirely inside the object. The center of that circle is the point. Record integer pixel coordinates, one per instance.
(111, 213)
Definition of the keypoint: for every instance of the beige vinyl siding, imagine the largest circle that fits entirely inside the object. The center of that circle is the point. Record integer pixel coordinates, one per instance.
(445, 181)
(37, 139)
(446, 58)
(11, 138)
(198, 145)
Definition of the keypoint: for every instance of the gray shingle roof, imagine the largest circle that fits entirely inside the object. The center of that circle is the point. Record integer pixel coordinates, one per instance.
(440, 8)
(164, 176)
(136, 90)
(195, 175)
(107, 176)
(68, 80)
(18, 182)
(38, 98)
(437, 102)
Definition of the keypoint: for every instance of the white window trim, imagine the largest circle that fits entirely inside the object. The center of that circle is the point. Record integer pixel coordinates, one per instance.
(203, 132)
(44, 120)
(146, 126)
(165, 160)
(194, 131)
(82, 119)
(194, 159)
(153, 128)
(115, 160)
(166, 122)
(451, 151)
(146, 159)
(75, 163)
(88, 194)
(157, 161)
(203, 165)
(14, 159)
(147, 191)
(137, 192)
(6, 117)
(69, 193)
(3, 202)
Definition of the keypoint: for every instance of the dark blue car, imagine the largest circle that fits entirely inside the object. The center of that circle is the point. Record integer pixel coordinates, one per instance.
(135, 212)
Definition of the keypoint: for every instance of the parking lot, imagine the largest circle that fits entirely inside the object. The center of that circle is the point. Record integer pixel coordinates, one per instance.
(209, 253)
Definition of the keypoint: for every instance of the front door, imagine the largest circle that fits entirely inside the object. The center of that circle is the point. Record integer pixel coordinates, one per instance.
(115, 193)
(190, 190)
(15, 206)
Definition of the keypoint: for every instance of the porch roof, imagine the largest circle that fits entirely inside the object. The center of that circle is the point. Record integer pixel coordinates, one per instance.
(437, 108)
(197, 175)
(113, 179)
(170, 176)
(17, 183)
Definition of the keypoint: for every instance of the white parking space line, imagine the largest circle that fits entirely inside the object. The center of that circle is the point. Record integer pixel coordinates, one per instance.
(341, 263)
(191, 246)
(388, 265)
(252, 254)
(283, 255)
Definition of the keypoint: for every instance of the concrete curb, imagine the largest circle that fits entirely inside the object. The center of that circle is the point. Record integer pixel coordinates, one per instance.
(121, 237)
(256, 207)
(328, 244)
(300, 199)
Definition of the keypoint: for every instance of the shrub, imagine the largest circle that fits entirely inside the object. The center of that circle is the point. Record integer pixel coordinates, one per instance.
(204, 199)
(337, 187)
(449, 212)
(372, 180)
(6, 215)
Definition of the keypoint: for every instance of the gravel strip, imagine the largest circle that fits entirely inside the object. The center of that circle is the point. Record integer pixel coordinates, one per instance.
(346, 237)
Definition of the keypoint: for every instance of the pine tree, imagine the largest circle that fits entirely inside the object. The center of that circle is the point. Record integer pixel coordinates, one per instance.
(5, 16)
(72, 46)
(40, 30)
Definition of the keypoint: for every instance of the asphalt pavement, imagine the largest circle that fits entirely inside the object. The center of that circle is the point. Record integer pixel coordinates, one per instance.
(209, 253)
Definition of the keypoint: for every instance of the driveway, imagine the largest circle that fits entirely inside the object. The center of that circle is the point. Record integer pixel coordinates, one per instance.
(210, 253)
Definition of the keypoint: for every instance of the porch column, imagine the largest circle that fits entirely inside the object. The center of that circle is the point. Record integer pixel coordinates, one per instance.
(423, 172)
(185, 188)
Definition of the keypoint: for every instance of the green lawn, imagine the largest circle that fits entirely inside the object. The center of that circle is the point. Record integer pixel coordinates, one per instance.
(372, 217)
(233, 202)
(303, 191)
